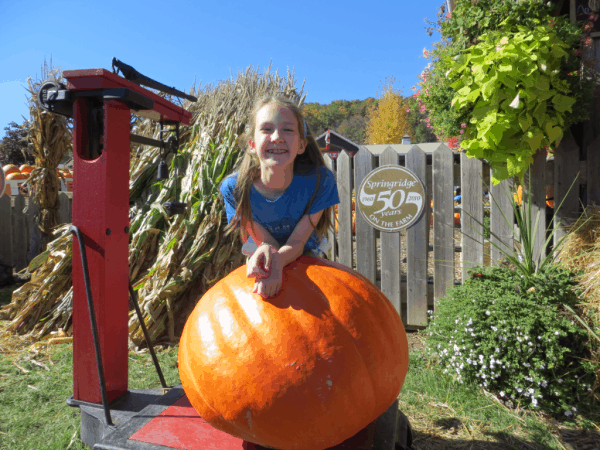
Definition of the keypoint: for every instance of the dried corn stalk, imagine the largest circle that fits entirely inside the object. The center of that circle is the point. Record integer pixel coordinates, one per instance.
(172, 261)
(50, 138)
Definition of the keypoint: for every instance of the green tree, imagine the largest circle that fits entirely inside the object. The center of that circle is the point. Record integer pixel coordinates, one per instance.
(13, 147)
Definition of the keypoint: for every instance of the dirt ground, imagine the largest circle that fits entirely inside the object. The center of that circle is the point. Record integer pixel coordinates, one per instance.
(415, 340)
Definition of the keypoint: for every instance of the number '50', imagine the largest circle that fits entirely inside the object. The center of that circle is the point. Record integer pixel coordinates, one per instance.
(388, 199)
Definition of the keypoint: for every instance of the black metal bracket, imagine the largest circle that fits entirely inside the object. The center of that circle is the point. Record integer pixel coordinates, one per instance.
(86, 278)
(55, 97)
(136, 305)
(133, 75)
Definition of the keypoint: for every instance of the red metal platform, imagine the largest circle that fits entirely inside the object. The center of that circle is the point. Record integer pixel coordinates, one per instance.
(178, 426)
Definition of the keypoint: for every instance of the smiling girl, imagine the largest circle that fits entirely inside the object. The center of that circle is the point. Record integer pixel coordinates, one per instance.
(282, 194)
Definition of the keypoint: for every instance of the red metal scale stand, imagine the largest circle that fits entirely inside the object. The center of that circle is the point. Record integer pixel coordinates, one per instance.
(114, 417)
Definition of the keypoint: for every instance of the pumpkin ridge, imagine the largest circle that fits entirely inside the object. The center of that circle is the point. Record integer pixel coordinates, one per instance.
(344, 327)
(386, 345)
(217, 420)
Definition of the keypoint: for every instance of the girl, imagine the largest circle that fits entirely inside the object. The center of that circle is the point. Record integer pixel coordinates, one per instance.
(282, 194)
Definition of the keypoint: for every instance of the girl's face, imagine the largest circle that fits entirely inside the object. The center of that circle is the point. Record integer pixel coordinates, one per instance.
(276, 137)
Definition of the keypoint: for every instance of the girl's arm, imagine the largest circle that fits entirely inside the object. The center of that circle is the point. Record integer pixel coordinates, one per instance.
(260, 235)
(294, 247)
(268, 285)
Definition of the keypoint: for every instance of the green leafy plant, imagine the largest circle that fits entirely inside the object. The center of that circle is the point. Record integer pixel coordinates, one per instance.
(482, 26)
(521, 253)
(516, 99)
(512, 336)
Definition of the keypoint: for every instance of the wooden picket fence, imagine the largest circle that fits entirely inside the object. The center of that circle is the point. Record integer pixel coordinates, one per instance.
(19, 235)
(406, 282)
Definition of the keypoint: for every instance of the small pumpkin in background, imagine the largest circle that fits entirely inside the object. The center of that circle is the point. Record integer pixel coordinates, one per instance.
(10, 169)
(16, 176)
(26, 169)
(457, 218)
(306, 369)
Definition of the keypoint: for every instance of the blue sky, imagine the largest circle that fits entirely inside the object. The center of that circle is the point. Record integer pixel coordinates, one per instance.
(344, 50)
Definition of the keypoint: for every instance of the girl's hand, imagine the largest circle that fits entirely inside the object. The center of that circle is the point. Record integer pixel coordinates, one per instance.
(259, 265)
(269, 286)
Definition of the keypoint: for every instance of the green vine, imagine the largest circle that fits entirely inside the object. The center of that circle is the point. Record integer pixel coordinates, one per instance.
(498, 53)
(516, 100)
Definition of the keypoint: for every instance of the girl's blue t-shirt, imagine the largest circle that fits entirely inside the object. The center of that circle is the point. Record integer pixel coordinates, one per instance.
(280, 216)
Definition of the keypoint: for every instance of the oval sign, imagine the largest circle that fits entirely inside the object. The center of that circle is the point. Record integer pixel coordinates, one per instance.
(391, 198)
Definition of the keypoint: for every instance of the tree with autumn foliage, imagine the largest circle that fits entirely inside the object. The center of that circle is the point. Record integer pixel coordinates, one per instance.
(388, 121)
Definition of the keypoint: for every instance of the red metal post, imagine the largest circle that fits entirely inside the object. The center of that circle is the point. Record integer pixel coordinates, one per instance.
(100, 211)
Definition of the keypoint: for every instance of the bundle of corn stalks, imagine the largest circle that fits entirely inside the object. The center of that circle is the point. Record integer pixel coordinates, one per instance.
(581, 253)
(172, 261)
(50, 138)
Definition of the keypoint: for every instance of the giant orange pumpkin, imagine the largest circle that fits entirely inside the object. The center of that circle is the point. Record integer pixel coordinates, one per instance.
(306, 369)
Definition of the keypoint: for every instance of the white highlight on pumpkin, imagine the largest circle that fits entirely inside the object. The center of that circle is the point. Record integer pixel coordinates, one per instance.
(230, 328)
(249, 305)
(225, 319)
(207, 336)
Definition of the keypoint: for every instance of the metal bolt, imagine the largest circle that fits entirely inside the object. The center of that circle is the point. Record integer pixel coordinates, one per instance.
(126, 229)
(108, 231)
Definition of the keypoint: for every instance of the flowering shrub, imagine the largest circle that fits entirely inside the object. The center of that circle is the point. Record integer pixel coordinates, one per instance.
(512, 336)
(418, 120)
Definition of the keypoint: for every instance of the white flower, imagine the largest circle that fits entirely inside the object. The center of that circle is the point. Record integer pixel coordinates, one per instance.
(568, 413)
(502, 394)
(487, 313)
(557, 333)
(560, 380)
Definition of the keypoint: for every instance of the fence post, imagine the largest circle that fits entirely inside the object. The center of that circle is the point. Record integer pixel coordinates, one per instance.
(19, 239)
(471, 176)
(366, 249)
(593, 171)
(331, 235)
(566, 168)
(35, 239)
(64, 209)
(443, 221)
(344, 173)
(391, 250)
(502, 217)
(537, 173)
(6, 230)
(417, 248)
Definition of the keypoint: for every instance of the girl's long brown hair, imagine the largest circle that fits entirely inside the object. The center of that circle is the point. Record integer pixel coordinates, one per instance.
(249, 167)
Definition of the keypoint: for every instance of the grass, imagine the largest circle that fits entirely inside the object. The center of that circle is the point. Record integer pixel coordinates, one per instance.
(35, 382)
(447, 414)
(32, 399)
